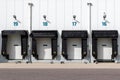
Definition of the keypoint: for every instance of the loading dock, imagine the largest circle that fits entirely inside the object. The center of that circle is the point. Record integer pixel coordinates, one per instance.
(14, 44)
(44, 44)
(104, 45)
(74, 44)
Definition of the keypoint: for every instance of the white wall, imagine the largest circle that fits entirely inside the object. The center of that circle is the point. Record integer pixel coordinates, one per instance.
(60, 14)
(101, 6)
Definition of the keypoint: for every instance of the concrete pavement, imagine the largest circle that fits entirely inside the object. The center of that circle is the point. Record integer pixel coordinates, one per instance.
(61, 66)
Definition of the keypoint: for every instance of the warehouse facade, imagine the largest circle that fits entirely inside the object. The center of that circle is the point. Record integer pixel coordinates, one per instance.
(61, 30)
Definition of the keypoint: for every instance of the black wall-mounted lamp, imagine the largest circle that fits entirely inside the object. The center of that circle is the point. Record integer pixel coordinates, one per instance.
(14, 16)
(104, 15)
(44, 16)
(74, 16)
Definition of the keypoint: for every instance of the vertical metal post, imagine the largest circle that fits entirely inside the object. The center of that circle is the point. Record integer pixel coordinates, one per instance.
(90, 32)
(30, 39)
